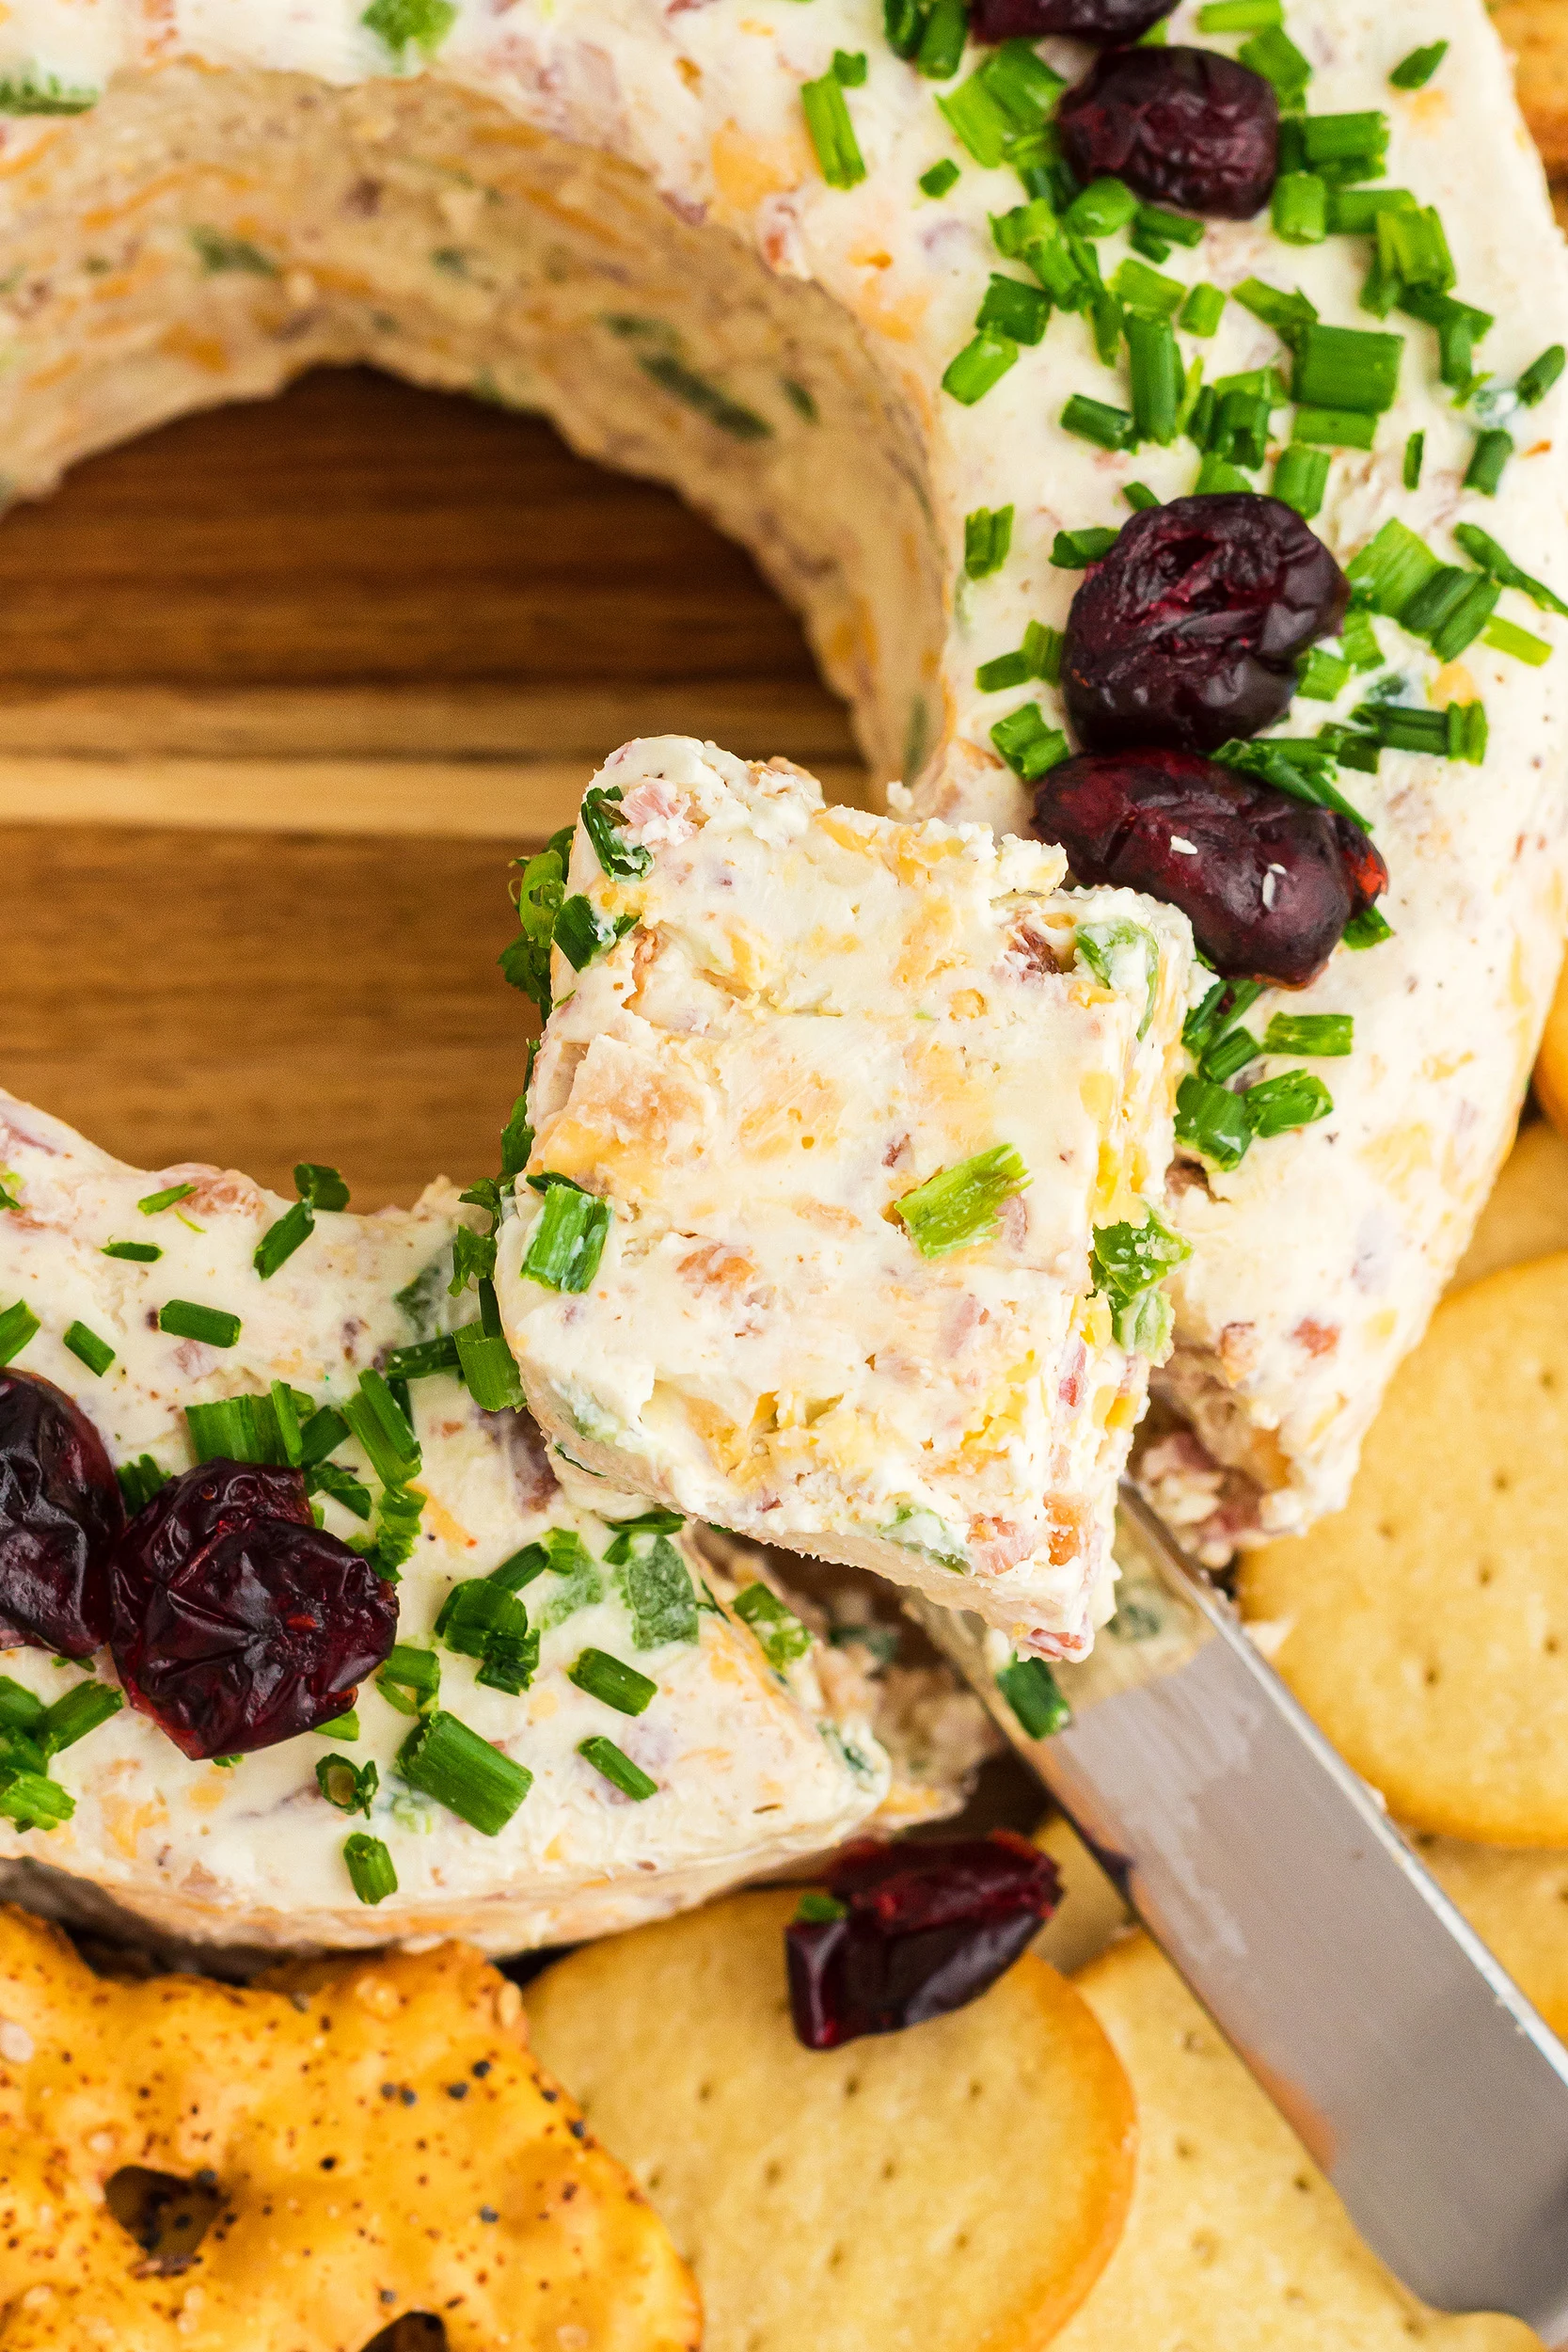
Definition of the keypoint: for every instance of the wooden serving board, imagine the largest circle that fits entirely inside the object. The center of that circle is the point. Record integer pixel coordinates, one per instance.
(282, 690)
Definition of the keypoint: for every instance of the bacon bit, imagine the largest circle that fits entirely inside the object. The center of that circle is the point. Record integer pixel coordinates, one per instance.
(1238, 1349)
(1029, 954)
(1069, 1390)
(1012, 1221)
(718, 1266)
(1318, 1338)
(995, 1544)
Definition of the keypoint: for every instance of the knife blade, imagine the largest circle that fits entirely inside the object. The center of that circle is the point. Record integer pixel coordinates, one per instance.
(1411, 2066)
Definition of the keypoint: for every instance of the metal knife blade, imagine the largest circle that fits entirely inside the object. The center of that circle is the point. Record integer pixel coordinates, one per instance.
(1412, 2067)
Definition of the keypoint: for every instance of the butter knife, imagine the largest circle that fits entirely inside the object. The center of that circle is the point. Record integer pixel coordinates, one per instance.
(1410, 2065)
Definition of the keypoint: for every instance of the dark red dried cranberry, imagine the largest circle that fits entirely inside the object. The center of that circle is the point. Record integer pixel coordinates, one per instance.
(1189, 631)
(1267, 883)
(235, 1621)
(1087, 19)
(924, 1930)
(60, 1510)
(1181, 126)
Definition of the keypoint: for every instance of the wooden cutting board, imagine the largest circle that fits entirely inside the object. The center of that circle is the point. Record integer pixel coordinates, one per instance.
(282, 690)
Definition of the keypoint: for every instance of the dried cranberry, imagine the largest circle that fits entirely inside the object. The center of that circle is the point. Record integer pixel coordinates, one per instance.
(235, 1621)
(1087, 19)
(924, 1928)
(60, 1510)
(1181, 126)
(1267, 883)
(1188, 632)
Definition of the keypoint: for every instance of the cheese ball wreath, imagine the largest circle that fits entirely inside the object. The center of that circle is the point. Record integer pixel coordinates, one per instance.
(377, 2140)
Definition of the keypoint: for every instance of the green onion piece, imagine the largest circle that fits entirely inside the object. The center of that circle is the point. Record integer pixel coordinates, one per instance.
(487, 1365)
(977, 121)
(88, 1348)
(1218, 477)
(1028, 742)
(1228, 1054)
(1450, 609)
(1367, 929)
(20, 1710)
(980, 364)
(369, 1868)
(1351, 147)
(1301, 768)
(1273, 55)
(1359, 641)
(832, 133)
(903, 24)
(137, 1252)
(1126, 1265)
(610, 1679)
(1290, 314)
(565, 1246)
(1013, 310)
(1035, 1696)
(1324, 678)
(33, 1801)
(961, 1205)
(1541, 374)
(779, 1631)
(1415, 456)
(410, 1678)
(939, 178)
(330, 1478)
(525, 962)
(1459, 328)
(1354, 211)
(1491, 454)
(657, 1587)
(618, 1768)
(234, 1429)
(581, 936)
(1202, 310)
(1171, 228)
(153, 1202)
(1301, 479)
(1139, 497)
(1277, 1106)
(1156, 373)
(280, 1240)
(1508, 637)
(139, 1481)
(1210, 1119)
(1391, 567)
(1346, 367)
(988, 536)
(1413, 249)
(1074, 550)
(76, 1712)
(521, 1567)
(1321, 1035)
(424, 1358)
(344, 1726)
(322, 1434)
(383, 1429)
(321, 1186)
(1402, 729)
(1499, 566)
(184, 1319)
(1416, 71)
(1039, 657)
(1240, 16)
(510, 1663)
(348, 1785)
(1138, 288)
(474, 1610)
(1097, 421)
(1300, 208)
(849, 66)
(814, 1909)
(1017, 77)
(601, 820)
(1102, 207)
(1467, 733)
(1122, 955)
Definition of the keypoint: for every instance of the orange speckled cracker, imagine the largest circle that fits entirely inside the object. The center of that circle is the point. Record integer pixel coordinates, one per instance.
(381, 2138)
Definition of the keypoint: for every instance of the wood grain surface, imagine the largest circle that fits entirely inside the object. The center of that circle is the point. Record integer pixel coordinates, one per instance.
(387, 635)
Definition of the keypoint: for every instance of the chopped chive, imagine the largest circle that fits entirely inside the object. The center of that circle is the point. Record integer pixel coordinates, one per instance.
(1300, 210)
(781, 1633)
(1467, 733)
(1028, 742)
(1302, 768)
(1039, 657)
(1415, 456)
(1241, 16)
(961, 1205)
(1301, 479)
(383, 1429)
(323, 1187)
(1171, 228)
(1391, 567)
(153, 1202)
(348, 1785)
(1541, 374)
(1228, 1054)
(988, 536)
(1013, 310)
(1273, 55)
(1367, 929)
(1416, 71)
(1348, 147)
(1335, 428)
(88, 1348)
(1321, 1035)
(1459, 328)
(280, 1240)
(1354, 211)
(1499, 566)
(78, 1711)
(849, 66)
(1035, 1696)
(1277, 1106)
(1450, 609)
(1138, 288)
(444, 1759)
(33, 1801)
(369, 1868)
(20, 1710)
(1225, 1004)
(1074, 550)
(344, 1726)
(1155, 366)
(1508, 637)
(134, 1253)
(1139, 497)
(939, 178)
(1210, 1119)
(1102, 207)
(581, 936)
(832, 133)
(601, 820)
(1491, 454)
(139, 1481)
(1346, 367)
(567, 1245)
(982, 364)
(1217, 477)
(1018, 79)
(941, 44)
(184, 1319)
(1202, 310)
(903, 23)
(410, 1678)
(977, 121)
(616, 1684)
(1413, 249)
(618, 1768)
(423, 1360)
(1324, 678)
(1290, 314)
(815, 1908)
(487, 1365)
(1097, 421)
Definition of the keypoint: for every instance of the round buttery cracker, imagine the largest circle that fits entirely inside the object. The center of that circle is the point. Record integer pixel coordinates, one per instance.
(954, 2188)
(1235, 2238)
(1517, 1903)
(1527, 1215)
(1551, 1067)
(1426, 1626)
